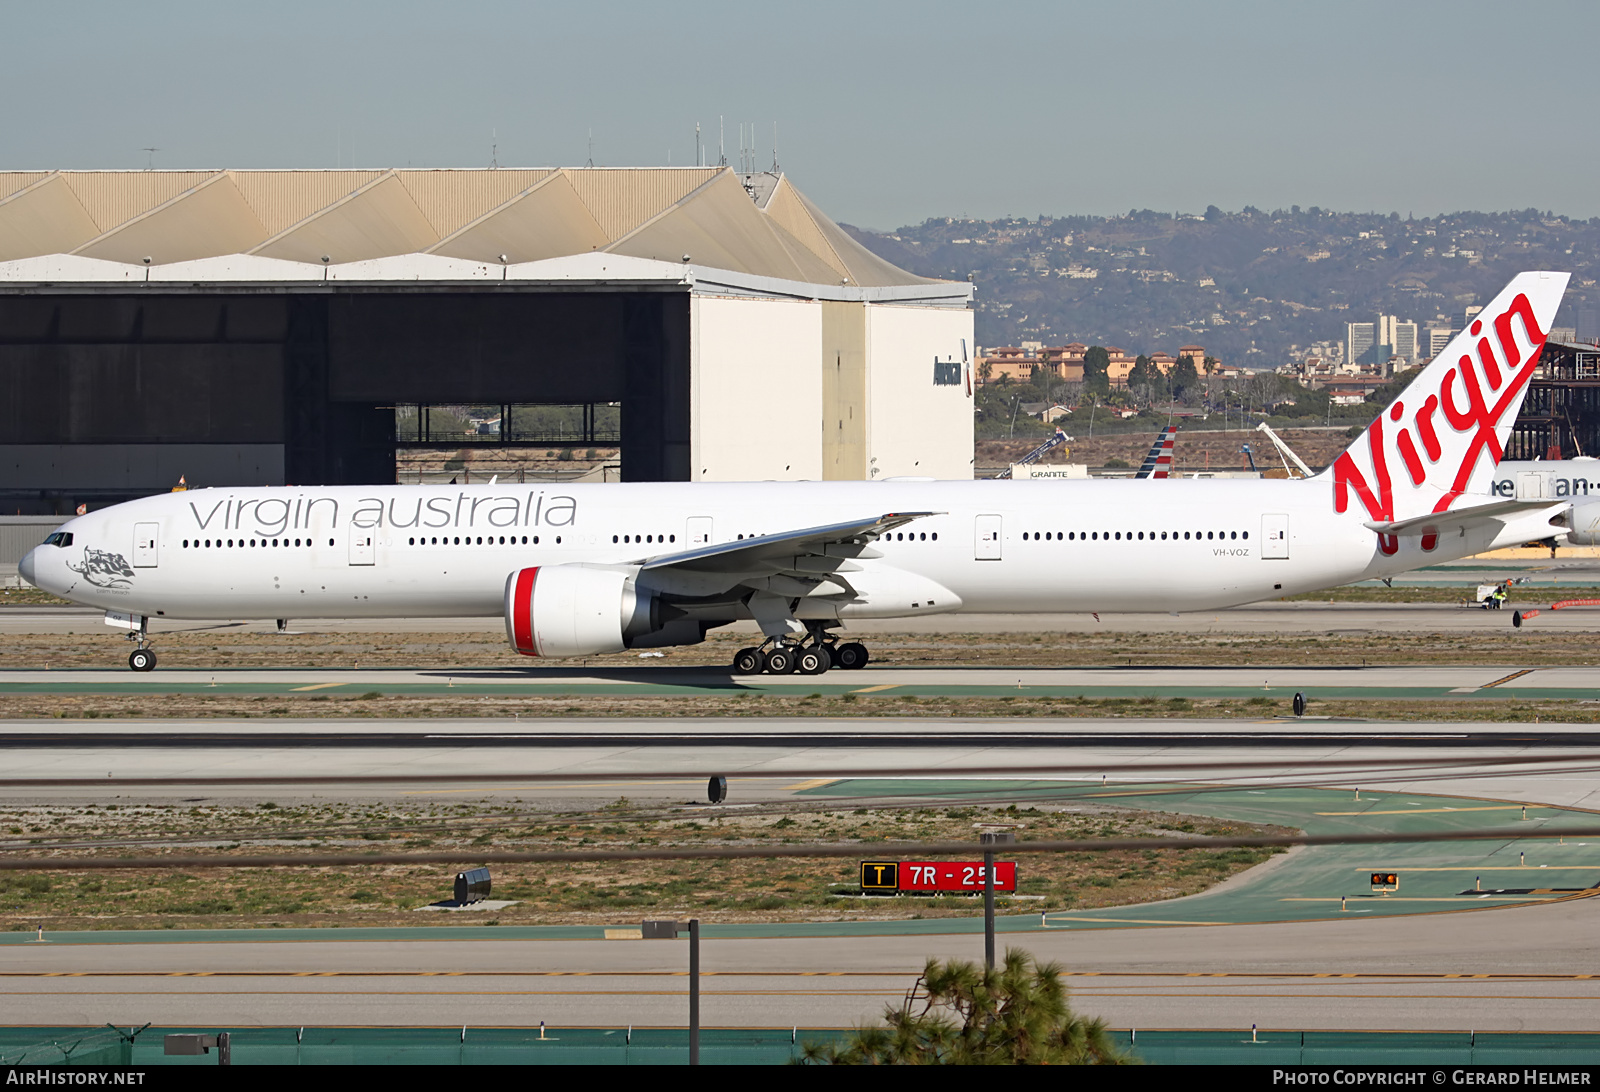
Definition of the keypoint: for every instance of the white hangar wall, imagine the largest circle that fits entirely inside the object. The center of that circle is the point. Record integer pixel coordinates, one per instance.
(917, 427)
(755, 388)
(841, 390)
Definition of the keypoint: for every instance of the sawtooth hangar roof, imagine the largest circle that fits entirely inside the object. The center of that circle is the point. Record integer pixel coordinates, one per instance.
(757, 225)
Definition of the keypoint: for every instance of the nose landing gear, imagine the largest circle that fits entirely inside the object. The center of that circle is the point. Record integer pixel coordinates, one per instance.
(143, 657)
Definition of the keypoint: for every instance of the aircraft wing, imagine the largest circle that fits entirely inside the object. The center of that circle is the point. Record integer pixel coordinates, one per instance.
(1478, 515)
(777, 553)
(770, 572)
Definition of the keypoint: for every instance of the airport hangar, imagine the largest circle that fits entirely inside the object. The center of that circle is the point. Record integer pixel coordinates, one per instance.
(261, 327)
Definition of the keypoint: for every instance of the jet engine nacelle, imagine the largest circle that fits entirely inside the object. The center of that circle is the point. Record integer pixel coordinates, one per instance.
(576, 610)
(1585, 520)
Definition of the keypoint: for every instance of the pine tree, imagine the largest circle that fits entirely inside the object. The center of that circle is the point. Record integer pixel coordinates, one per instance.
(962, 1014)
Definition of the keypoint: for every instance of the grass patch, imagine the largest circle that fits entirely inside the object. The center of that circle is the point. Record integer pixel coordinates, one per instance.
(738, 890)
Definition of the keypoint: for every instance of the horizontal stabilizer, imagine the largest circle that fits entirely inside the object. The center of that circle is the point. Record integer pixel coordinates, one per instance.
(1479, 515)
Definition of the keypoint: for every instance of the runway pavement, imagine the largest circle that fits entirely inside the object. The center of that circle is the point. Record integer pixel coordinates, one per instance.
(1506, 969)
(1275, 684)
(664, 759)
(1518, 969)
(1289, 618)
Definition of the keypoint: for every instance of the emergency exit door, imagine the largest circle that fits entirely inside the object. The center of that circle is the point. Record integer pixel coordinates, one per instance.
(698, 531)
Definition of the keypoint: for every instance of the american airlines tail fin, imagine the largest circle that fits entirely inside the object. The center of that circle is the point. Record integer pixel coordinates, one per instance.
(1158, 463)
(1443, 436)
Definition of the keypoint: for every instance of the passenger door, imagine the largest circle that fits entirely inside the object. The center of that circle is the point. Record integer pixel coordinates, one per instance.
(987, 538)
(362, 548)
(146, 545)
(1275, 536)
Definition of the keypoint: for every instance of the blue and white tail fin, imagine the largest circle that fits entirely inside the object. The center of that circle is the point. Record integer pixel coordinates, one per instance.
(1443, 436)
(1158, 463)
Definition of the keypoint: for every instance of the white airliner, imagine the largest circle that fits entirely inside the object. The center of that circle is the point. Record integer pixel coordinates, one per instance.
(578, 570)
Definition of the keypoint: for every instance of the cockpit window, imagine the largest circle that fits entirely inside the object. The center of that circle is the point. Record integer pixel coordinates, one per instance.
(59, 538)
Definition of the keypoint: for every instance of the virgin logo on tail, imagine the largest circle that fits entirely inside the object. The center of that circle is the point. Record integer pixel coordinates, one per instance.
(1425, 450)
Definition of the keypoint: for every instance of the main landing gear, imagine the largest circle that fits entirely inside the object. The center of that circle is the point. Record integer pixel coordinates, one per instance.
(813, 656)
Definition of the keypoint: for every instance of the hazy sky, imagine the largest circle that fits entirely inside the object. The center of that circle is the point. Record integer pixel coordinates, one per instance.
(887, 113)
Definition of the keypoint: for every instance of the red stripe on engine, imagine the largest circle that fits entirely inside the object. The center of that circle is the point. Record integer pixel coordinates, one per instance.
(522, 612)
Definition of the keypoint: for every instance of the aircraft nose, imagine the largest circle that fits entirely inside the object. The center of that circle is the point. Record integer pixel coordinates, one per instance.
(25, 566)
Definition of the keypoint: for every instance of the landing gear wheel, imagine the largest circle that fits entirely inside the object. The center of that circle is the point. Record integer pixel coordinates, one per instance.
(812, 661)
(781, 661)
(850, 656)
(142, 659)
(748, 661)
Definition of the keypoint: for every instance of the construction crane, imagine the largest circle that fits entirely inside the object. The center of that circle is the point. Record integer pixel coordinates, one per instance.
(1037, 453)
(1287, 455)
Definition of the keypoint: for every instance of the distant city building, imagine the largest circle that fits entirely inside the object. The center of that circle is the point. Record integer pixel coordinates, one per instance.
(1118, 365)
(1587, 323)
(1065, 362)
(1377, 343)
(1400, 337)
(1438, 337)
(1360, 338)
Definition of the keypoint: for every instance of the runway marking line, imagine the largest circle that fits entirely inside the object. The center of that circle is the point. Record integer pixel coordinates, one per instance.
(1430, 811)
(1133, 921)
(1508, 678)
(814, 783)
(887, 992)
(318, 686)
(1491, 868)
(875, 689)
(890, 991)
(1476, 897)
(577, 780)
(1397, 976)
(1358, 996)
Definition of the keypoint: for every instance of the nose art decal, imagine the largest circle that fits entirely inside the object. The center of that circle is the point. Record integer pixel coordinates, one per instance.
(104, 569)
